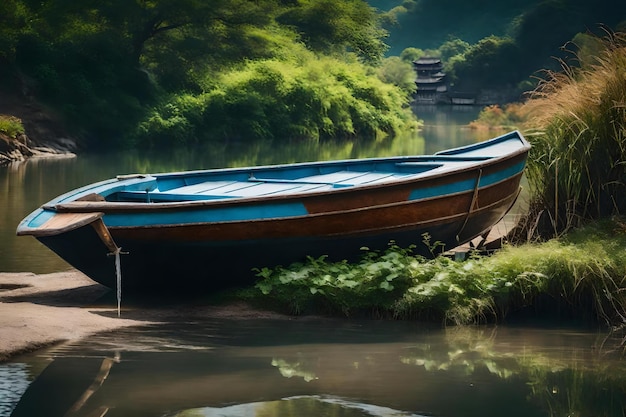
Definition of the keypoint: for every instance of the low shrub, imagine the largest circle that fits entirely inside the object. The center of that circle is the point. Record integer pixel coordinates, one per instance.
(11, 126)
(584, 274)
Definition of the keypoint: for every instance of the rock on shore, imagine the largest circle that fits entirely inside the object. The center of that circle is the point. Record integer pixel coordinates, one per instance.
(45, 135)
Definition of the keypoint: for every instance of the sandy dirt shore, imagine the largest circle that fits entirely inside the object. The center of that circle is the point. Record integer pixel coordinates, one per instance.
(41, 310)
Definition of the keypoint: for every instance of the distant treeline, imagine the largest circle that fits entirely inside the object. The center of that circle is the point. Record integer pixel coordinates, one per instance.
(494, 43)
(178, 72)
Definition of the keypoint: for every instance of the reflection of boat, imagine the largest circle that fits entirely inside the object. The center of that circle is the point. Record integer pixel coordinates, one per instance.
(314, 404)
(212, 227)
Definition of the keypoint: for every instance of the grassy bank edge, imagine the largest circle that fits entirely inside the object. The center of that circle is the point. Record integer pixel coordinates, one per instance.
(579, 276)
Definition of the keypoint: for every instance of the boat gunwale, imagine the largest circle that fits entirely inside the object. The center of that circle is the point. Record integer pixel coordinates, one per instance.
(509, 199)
(340, 212)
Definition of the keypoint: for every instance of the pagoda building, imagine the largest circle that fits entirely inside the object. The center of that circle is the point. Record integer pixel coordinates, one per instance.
(431, 80)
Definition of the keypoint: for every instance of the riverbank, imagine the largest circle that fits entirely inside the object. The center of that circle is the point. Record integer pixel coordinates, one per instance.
(42, 310)
(44, 135)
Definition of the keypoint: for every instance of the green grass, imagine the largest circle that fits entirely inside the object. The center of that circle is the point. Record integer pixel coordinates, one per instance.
(581, 275)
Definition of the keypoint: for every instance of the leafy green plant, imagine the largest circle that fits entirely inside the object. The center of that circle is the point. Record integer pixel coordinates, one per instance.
(11, 126)
(339, 287)
(584, 274)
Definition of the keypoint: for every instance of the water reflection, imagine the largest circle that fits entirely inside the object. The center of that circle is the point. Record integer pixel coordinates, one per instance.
(13, 384)
(319, 367)
(305, 405)
(448, 126)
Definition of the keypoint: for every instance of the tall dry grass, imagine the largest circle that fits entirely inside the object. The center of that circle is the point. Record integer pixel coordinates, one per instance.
(576, 122)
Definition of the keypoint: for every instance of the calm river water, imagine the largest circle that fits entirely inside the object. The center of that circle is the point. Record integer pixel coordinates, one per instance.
(298, 367)
(316, 368)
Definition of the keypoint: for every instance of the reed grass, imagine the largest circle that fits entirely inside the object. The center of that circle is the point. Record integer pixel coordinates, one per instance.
(576, 122)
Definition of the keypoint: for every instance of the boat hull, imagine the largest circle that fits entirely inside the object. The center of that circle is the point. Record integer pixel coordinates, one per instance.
(215, 229)
(199, 256)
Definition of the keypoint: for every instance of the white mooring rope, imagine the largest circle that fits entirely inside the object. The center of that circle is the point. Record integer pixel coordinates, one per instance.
(118, 274)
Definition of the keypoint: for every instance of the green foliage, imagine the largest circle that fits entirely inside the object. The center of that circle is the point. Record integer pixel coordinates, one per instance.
(11, 126)
(508, 117)
(453, 47)
(398, 72)
(374, 284)
(12, 22)
(305, 98)
(83, 76)
(584, 274)
(329, 26)
(577, 126)
(427, 24)
(511, 40)
(411, 54)
(141, 67)
(491, 63)
(545, 28)
(588, 47)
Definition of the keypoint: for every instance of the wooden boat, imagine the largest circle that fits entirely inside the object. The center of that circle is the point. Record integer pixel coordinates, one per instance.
(210, 228)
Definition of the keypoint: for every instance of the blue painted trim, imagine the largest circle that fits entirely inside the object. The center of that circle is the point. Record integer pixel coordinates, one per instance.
(218, 214)
(467, 185)
(40, 218)
(502, 175)
(442, 190)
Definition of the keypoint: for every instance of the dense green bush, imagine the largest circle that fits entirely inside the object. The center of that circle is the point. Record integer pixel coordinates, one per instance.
(89, 79)
(311, 98)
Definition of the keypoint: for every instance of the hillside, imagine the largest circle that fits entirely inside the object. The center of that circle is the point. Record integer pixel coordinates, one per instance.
(535, 24)
(430, 23)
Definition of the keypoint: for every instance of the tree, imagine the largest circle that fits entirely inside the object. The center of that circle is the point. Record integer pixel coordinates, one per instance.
(411, 54)
(330, 26)
(105, 64)
(453, 47)
(398, 72)
(492, 63)
(12, 23)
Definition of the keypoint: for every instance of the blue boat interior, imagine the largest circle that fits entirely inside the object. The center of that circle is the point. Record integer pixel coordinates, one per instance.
(297, 178)
(269, 181)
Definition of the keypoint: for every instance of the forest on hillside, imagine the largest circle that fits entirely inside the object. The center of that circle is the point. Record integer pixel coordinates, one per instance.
(181, 72)
(495, 44)
(426, 24)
